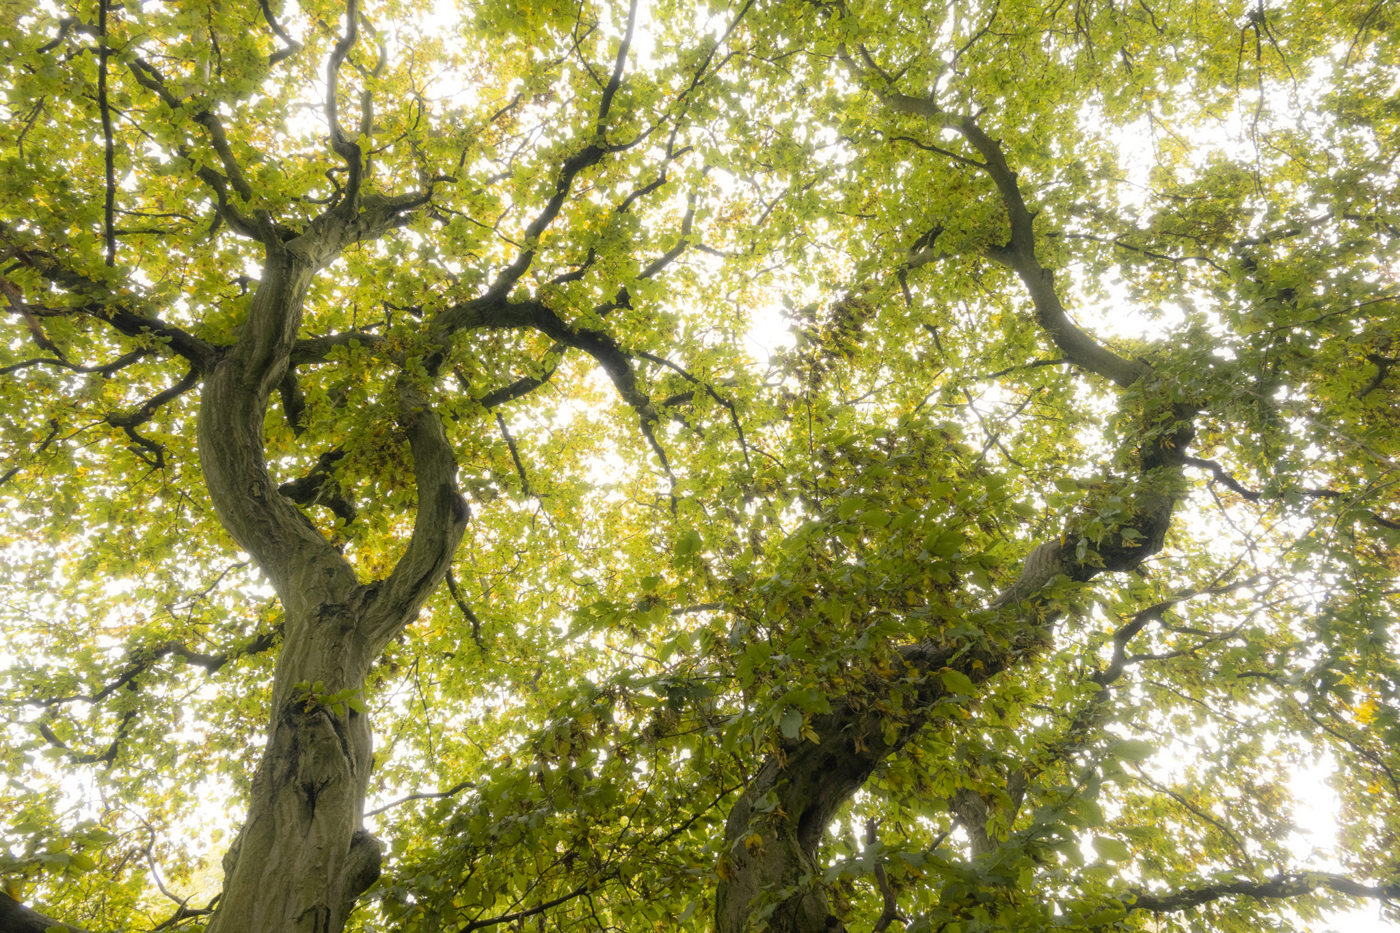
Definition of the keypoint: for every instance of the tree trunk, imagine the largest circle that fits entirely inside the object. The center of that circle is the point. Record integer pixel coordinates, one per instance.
(303, 857)
(770, 869)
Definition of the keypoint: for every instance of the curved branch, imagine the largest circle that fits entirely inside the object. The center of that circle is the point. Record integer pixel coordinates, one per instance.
(107, 757)
(569, 169)
(18, 305)
(1223, 476)
(525, 384)
(64, 25)
(148, 409)
(497, 314)
(451, 791)
(590, 885)
(292, 45)
(1019, 251)
(1241, 853)
(890, 913)
(148, 77)
(466, 612)
(318, 487)
(347, 150)
(211, 663)
(792, 798)
(1383, 366)
(106, 369)
(1019, 255)
(438, 526)
(300, 563)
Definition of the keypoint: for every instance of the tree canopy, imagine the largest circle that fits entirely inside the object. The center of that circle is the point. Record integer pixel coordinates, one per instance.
(758, 465)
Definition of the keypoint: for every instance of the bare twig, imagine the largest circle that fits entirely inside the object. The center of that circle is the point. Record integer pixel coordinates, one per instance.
(466, 611)
(514, 454)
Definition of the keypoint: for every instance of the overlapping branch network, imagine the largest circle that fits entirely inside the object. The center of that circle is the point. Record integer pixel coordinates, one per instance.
(771, 862)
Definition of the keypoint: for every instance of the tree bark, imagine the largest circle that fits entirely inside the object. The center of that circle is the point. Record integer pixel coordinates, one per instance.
(16, 918)
(303, 856)
(769, 870)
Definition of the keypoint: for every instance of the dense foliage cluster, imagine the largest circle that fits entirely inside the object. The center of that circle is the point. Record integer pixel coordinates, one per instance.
(781, 465)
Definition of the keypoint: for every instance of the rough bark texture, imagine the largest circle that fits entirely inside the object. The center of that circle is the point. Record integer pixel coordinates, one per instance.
(303, 856)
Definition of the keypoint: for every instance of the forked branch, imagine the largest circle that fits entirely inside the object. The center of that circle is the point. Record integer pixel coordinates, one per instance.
(292, 45)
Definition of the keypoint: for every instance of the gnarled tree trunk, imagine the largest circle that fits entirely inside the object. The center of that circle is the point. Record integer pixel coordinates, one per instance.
(303, 857)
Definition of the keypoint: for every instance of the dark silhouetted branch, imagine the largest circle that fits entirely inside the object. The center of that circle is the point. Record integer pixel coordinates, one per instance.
(466, 610)
(106, 369)
(451, 791)
(43, 445)
(108, 146)
(318, 487)
(292, 45)
(1279, 887)
(1223, 476)
(514, 454)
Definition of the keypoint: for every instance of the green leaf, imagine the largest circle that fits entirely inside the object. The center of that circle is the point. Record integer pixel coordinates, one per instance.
(791, 723)
(957, 682)
(875, 518)
(1133, 750)
(1115, 850)
(947, 544)
(688, 543)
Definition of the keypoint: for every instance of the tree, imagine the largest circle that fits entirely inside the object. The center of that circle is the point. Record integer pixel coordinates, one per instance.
(387, 455)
